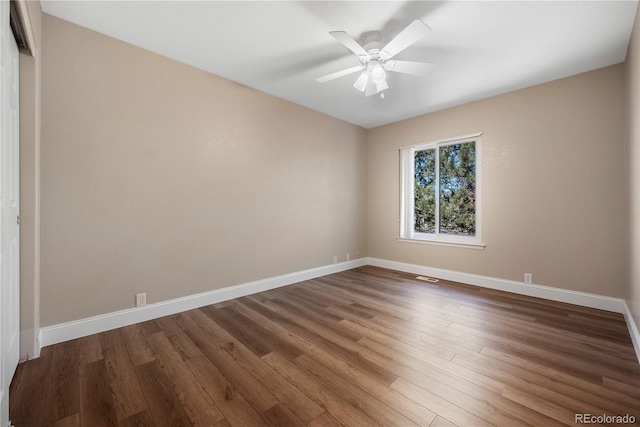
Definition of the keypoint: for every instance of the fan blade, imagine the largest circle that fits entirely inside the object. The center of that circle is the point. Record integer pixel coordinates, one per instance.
(350, 43)
(338, 74)
(409, 67)
(414, 32)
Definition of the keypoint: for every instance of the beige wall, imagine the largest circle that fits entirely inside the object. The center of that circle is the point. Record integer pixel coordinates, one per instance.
(553, 182)
(632, 74)
(30, 68)
(161, 178)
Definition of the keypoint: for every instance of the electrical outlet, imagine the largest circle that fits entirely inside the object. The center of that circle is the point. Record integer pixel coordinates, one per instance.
(348, 257)
(335, 259)
(528, 278)
(141, 299)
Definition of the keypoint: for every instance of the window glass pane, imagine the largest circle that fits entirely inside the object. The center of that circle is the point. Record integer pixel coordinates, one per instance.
(458, 189)
(425, 191)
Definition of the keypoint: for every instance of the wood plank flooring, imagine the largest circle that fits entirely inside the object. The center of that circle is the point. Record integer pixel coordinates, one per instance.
(364, 347)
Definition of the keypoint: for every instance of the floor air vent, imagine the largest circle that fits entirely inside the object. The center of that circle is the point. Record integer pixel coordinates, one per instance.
(428, 279)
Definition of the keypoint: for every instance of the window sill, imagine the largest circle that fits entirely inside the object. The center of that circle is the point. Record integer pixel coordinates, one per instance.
(477, 246)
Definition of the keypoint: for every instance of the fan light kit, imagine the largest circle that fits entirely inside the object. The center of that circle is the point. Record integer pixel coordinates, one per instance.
(375, 59)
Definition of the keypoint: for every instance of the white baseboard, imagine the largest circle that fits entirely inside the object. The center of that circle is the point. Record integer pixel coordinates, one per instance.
(30, 344)
(616, 305)
(39, 345)
(633, 329)
(79, 328)
(539, 291)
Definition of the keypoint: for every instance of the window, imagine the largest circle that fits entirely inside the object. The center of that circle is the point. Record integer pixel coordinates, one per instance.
(440, 191)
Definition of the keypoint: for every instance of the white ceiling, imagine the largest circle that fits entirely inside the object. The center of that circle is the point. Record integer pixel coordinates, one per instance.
(480, 48)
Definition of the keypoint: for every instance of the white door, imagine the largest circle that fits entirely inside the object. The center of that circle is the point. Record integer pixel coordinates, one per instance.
(9, 211)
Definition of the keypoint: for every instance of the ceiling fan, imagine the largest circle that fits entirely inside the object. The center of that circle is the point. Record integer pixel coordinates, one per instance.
(375, 59)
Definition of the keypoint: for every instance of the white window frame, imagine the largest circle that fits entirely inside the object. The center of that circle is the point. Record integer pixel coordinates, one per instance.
(407, 178)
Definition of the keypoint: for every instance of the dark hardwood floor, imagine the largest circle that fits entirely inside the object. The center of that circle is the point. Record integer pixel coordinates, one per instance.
(364, 347)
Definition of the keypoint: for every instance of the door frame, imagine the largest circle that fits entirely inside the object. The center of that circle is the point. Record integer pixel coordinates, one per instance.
(20, 14)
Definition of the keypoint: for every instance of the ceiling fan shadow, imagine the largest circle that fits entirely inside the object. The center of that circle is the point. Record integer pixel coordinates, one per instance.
(407, 12)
